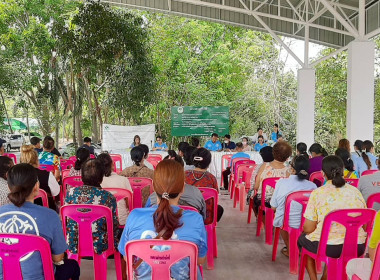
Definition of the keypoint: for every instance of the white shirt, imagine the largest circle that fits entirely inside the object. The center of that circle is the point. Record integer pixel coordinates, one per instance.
(53, 185)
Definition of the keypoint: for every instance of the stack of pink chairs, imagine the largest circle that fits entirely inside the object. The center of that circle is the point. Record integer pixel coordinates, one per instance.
(244, 173)
(317, 178)
(117, 162)
(137, 184)
(269, 213)
(225, 158)
(301, 197)
(212, 242)
(353, 220)
(12, 156)
(85, 219)
(234, 176)
(73, 181)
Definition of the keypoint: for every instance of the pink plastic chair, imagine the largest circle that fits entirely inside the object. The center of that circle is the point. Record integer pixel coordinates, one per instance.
(43, 195)
(154, 163)
(46, 167)
(250, 209)
(352, 220)
(154, 156)
(368, 172)
(12, 156)
(92, 156)
(375, 273)
(372, 199)
(302, 197)
(269, 213)
(225, 158)
(73, 158)
(121, 194)
(66, 164)
(27, 243)
(117, 161)
(212, 241)
(353, 182)
(317, 178)
(234, 177)
(73, 181)
(187, 207)
(161, 269)
(137, 184)
(85, 241)
(65, 173)
(244, 174)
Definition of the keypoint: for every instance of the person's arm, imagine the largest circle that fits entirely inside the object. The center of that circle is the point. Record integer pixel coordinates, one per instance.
(165, 147)
(257, 183)
(53, 185)
(309, 226)
(202, 261)
(311, 216)
(57, 258)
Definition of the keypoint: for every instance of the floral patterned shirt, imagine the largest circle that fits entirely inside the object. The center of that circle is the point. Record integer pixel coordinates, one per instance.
(270, 172)
(4, 191)
(326, 199)
(49, 159)
(202, 179)
(96, 196)
(74, 172)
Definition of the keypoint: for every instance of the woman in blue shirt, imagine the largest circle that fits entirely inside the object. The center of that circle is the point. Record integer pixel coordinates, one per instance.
(166, 220)
(260, 144)
(159, 145)
(136, 141)
(276, 133)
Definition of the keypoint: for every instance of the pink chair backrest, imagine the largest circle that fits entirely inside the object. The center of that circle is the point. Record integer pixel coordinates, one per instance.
(372, 199)
(72, 181)
(66, 164)
(120, 194)
(353, 182)
(154, 157)
(317, 178)
(85, 221)
(43, 195)
(352, 220)
(161, 262)
(154, 162)
(117, 162)
(267, 183)
(65, 173)
(244, 168)
(226, 158)
(137, 184)
(301, 197)
(46, 167)
(235, 160)
(207, 194)
(73, 158)
(375, 275)
(12, 253)
(12, 156)
(368, 172)
(186, 207)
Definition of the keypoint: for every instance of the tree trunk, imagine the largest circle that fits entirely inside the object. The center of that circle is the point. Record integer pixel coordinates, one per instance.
(6, 112)
(91, 111)
(57, 124)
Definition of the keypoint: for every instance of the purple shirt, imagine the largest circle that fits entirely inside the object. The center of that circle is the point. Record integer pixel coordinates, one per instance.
(315, 164)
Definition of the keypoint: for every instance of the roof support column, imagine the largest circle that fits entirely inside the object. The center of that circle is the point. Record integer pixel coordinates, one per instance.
(306, 107)
(360, 90)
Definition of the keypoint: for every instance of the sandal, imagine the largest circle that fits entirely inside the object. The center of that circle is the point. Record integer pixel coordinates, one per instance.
(285, 252)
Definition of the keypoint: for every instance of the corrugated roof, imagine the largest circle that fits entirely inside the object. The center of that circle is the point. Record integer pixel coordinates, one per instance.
(284, 17)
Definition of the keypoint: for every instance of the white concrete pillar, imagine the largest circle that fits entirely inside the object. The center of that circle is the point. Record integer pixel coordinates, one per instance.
(360, 90)
(305, 107)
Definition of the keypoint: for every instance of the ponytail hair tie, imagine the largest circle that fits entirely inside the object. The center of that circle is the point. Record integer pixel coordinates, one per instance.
(165, 195)
(198, 158)
(304, 172)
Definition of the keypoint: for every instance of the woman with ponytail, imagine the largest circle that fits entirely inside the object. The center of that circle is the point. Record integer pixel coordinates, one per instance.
(349, 172)
(82, 155)
(297, 181)
(365, 160)
(317, 154)
(166, 221)
(24, 217)
(334, 195)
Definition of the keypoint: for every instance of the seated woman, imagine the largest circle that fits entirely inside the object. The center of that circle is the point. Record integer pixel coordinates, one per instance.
(317, 154)
(297, 181)
(136, 141)
(301, 149)
(5, 164)
(333, 195)
(188, 157)
(260, 144)
(362, 266)
(200, 177)
(92, 193)
(24, 186)
(246, 146)
(277, 168)
(345, 144)
(166, 221)
(47, 180)
(112, 180)
(82, 155)
(349, 172)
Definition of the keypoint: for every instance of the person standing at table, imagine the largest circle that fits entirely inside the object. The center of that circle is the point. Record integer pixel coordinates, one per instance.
(260, 132)
(214, 144)
(159, 145)
(260, 144)
(228, 145)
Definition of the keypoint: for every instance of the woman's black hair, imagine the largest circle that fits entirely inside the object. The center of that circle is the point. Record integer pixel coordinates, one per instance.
(182, 146)
(333, 167)
(92, 172)
(301, 165)
(173, 155)
(267, 154)
(367, 145)
(21, 180)
(82, 155)
(201, 158)
(137, 154)
(134, 139)
(107, 162)
(195, 142)
(276, 125)
(188, 155)
(346, 158)
(5, 164)
(145, 148)
(302, 148)
(317, 148)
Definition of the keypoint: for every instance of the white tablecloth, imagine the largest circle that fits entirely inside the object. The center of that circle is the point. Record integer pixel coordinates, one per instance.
(215, 166)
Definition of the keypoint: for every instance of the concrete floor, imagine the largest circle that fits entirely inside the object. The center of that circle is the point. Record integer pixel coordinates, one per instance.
(242, 255)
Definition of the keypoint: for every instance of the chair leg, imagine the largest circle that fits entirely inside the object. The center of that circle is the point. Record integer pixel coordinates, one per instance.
(259, 221)
(301, 274)
(100, 267)
(293, 251)
(233, 186)
(241, 198)
(275, 243)
(215, 244)
(117, 257)
(236, 195)
(210, 245)
(269, 215)
(250, 209)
